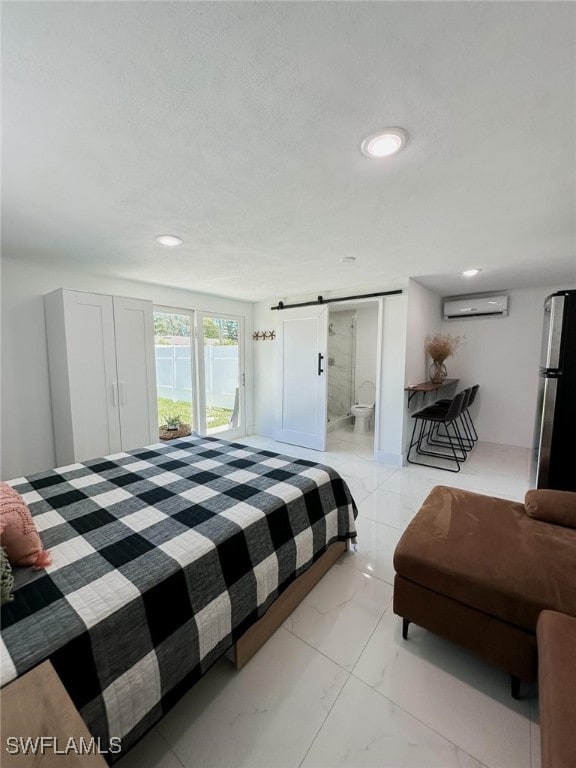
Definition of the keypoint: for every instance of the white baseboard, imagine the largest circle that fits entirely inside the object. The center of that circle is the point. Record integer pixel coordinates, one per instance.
(390, 459)
(263, 431)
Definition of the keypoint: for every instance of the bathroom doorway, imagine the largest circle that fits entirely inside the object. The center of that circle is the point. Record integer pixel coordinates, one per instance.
(352, 377)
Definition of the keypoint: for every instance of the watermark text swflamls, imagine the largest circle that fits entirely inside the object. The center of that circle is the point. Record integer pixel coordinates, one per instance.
(42, 745)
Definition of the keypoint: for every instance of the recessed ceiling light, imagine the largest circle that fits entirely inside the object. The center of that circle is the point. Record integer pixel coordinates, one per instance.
(384, 143)
(348, 259)
(471, 272)
(170, 240)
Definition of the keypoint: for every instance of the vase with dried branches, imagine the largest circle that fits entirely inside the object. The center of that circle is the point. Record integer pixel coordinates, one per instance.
(439, 347)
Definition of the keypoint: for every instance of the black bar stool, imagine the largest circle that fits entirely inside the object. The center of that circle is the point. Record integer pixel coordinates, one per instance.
(473, 394)
(438, 438)
(466, 417)
(430, 419)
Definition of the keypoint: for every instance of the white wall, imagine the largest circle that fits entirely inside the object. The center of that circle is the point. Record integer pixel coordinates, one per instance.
(366, 347)
(424, 318)
(502, 355)
(266, 371)
(27, 433)
(389, 445)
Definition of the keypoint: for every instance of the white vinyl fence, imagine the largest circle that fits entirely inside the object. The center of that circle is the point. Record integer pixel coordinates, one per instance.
(174, 373)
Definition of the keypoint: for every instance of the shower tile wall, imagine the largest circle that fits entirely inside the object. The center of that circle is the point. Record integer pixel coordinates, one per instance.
(341, 341)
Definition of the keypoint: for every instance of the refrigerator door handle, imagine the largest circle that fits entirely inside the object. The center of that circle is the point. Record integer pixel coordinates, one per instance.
(552, 359)
(544, 447)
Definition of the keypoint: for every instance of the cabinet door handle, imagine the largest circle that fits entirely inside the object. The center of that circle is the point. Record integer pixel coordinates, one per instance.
(320, 358)
(122, 393)
(115, 394)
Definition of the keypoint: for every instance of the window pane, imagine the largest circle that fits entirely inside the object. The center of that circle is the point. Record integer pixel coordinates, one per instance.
(221, 373)
(173, 348)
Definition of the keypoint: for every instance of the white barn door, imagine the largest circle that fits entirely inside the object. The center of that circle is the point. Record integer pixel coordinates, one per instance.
(303, 343)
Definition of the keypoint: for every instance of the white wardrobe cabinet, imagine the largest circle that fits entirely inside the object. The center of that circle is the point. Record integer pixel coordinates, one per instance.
(102, 374)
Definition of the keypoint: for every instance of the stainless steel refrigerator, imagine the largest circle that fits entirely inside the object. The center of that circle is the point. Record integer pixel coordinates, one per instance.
(554, 464)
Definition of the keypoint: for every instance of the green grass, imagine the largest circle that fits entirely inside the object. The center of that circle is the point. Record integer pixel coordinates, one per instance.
(218, 417)
(215, 417)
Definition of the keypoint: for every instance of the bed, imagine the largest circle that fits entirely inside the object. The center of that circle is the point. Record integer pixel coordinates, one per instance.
(164, 559)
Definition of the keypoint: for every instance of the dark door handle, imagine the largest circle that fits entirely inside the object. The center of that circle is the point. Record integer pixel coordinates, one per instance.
(320, 358)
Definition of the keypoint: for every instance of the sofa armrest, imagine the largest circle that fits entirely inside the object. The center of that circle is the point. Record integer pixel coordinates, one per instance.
(549, 506)
(556, 635)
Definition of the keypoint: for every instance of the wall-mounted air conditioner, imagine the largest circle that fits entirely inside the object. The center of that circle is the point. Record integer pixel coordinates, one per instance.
(476, 306)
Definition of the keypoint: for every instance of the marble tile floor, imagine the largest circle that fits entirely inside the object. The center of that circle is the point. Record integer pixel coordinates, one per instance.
(336, 685)
(345, 441)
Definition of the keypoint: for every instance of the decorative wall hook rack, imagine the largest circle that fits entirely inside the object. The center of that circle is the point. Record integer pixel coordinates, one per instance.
(264, 335)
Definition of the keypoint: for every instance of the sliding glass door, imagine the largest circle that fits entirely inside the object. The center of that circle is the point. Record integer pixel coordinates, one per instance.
(221, 374)
(199, 373)
(175, 371)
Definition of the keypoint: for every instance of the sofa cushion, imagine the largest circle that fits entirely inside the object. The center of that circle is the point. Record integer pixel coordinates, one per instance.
(487, 553)
(556, 634)
(557, 507)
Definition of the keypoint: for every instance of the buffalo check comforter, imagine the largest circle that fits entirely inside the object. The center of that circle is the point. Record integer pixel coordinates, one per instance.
(162, 558)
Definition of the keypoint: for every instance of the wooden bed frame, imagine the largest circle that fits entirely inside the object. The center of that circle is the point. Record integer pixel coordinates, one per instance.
(255, 637)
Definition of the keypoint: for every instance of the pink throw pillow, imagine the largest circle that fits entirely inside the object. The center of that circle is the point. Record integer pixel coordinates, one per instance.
(18, 533)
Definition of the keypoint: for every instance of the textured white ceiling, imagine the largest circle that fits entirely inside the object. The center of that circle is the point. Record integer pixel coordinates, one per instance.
(237, 126)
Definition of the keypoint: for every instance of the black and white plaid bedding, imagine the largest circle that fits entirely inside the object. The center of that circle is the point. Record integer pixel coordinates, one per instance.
(162, 558)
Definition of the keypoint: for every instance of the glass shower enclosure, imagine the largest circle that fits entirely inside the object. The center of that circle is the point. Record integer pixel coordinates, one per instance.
(341, 358)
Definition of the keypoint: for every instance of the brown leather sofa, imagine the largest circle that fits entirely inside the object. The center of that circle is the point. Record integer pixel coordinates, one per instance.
(499, 578)
(478, 570)
(556, 634)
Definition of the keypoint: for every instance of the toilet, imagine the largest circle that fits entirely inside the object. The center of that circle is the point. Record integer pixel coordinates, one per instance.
(362, 417)
(363, 411)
